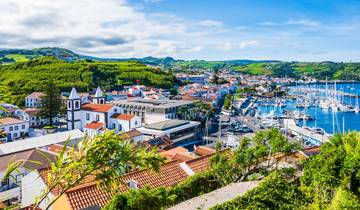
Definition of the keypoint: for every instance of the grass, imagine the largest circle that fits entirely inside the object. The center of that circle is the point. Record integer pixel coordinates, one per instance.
(255, 69)
(18, 57)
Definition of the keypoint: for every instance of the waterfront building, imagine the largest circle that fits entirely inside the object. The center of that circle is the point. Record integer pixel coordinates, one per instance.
(179, 131)
(152, 111)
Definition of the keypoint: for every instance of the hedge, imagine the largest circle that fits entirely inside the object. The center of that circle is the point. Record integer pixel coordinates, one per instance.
(273, 193)
(160, 198)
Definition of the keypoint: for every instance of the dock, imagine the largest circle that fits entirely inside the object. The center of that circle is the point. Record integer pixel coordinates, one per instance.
(305, 133)
(329, 91)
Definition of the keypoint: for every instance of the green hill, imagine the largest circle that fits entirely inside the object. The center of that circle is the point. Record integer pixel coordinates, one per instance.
(319, 70)
(19, 79)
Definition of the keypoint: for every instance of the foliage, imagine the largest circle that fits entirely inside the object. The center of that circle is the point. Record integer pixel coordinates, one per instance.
(344, 199)
(227, 102)
(51, 102)
(20, 79)
(272, 193)
(199, 112)
(259, 155)
(160, 198)
(105, 157)
(338, 165)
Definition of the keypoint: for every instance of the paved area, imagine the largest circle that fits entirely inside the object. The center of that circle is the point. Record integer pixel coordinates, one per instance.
(216, 197)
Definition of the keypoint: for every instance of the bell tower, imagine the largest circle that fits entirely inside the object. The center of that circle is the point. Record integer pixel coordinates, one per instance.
(99, 97)
(73, 107)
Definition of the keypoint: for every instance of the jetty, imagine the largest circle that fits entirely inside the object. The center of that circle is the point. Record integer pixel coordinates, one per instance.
(304, 133)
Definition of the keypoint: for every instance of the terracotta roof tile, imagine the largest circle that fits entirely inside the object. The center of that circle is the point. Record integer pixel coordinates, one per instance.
(182, 157)
(127, 117)
(88, 194)
(94, 125)
(97, 107)
(199, 164)
(10, 121)
(202, 150)
(36, 95)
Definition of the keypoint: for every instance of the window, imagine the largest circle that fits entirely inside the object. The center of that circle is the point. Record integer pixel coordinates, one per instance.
(77, 104)
(113, 126)
(4, 182)
(135, 122)
(18, 178)
(87, 116)
(22, 126)
(16, 127)
(97, 117)
(15, 135)
(11, 128)
(69, 105)
(120, 127)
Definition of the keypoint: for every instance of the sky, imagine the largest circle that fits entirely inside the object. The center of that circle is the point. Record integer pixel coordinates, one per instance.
(288, 30)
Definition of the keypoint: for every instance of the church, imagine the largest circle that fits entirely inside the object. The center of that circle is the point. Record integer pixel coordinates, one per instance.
(98, 116)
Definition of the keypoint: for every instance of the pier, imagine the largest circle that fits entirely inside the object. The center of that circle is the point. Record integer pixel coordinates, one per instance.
(304, 133)
(329, 91)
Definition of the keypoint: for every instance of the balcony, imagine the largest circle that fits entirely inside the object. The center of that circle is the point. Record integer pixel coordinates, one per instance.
(9, 192)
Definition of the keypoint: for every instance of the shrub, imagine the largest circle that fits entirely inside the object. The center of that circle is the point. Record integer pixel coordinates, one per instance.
(159, 198)
(273, 193)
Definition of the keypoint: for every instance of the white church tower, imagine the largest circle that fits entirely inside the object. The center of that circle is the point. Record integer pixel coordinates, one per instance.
(99, 97)
(73, 110)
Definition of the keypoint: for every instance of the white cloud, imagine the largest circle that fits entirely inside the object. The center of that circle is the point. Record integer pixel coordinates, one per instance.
(105, 28)
(210, 23)
(298, 22)
(228, 46)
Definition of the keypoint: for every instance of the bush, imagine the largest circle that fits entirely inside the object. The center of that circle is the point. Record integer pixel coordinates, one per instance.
(273, 193)
(160, 198)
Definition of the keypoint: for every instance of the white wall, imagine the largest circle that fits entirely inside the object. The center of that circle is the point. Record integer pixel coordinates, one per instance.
(21, 127)
(31, 187)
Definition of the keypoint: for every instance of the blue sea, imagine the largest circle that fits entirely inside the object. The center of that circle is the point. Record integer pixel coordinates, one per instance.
(324, 119)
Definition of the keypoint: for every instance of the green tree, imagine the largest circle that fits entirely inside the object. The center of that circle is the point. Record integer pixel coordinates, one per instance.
(337, 165)
(227, 101)
(51, 102)
(259, 155)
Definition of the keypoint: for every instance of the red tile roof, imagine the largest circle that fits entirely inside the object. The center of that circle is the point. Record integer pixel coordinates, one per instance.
(94, 125)
(202, 150)
(199, 164)
(36, 95)
(131, 134)
(127, 117)
(312, 150)
(182, 157)
(170, 153)
(97, 107)
(32, 111)
(88, 194)
(10, 121)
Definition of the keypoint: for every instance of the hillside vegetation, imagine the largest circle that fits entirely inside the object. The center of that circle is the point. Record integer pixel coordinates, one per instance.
(321, 70)
(19, 79)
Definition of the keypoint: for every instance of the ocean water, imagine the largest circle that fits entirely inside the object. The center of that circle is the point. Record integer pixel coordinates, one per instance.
(336, 122)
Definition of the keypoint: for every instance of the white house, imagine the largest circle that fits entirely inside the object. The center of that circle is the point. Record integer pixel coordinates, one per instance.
(32, 160)
(34, 100)
(14, 128)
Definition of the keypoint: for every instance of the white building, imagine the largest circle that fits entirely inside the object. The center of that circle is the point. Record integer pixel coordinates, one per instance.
(34, 100)
(10, 188)
(94, 118)
(152, 111)
(177, 130)
(14, 128)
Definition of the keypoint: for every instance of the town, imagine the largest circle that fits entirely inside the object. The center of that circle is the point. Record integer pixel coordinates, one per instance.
(181, 104)
(185, 127)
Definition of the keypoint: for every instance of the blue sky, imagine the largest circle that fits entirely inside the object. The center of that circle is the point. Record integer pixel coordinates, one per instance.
(301, 30)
